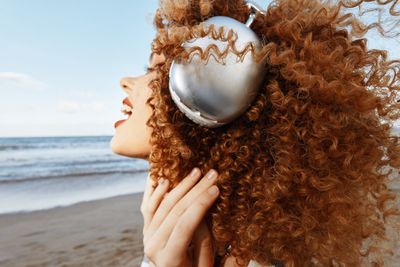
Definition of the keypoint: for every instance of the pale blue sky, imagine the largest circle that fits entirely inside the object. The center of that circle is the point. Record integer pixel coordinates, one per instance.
(61, 62)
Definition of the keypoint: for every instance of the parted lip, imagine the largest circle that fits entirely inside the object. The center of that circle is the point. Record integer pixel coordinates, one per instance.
(126, 101)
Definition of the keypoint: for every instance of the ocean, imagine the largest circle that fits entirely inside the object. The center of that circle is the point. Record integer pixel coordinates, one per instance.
(45, 172)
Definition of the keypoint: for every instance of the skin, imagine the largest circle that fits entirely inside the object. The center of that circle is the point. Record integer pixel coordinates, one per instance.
(172, 220)
(131, 138)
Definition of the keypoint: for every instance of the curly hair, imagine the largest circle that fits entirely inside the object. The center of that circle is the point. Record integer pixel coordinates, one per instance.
(304, 173)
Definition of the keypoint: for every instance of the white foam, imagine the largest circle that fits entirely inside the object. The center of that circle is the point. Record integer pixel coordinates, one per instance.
(60, 192)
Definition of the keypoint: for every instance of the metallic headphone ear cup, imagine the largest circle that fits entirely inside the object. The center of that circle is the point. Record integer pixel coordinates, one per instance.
(195, 116)
(210, 93)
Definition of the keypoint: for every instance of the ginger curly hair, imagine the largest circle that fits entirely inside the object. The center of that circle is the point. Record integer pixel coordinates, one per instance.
(304, 173)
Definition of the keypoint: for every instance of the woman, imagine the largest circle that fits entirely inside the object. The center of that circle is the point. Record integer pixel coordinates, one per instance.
(301, 175)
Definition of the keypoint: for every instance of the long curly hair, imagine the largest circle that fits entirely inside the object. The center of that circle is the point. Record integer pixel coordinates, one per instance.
(305, 172)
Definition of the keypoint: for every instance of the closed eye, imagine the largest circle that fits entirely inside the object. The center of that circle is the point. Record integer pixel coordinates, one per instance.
(147, 68)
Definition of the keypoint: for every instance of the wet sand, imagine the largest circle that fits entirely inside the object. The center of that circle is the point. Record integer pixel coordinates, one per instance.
(104, 232)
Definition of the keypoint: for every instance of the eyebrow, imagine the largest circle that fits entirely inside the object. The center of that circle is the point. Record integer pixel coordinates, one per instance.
(151, 57)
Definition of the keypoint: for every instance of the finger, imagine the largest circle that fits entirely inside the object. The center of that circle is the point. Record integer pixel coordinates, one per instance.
(163, 224)
(207, 181)
(183, 232)
(173, 197)
(202, 247)
(148, 190)
(154, 201)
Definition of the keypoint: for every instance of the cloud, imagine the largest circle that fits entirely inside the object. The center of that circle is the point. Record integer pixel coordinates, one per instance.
(98, 106)
(72, 106)
(9, 80)
(67, 106)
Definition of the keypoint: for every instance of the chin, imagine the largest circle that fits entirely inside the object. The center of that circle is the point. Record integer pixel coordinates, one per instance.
(117, 147)
(123, 149)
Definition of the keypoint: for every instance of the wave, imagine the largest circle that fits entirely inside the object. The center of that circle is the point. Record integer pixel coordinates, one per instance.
(51, 159)
(66, 176)
(16, 147)
(31, 143)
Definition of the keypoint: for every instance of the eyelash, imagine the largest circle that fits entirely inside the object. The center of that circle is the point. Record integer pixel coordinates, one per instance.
(147, 68)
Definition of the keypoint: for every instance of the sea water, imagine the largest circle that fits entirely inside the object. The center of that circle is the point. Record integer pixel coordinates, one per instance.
(45, 172)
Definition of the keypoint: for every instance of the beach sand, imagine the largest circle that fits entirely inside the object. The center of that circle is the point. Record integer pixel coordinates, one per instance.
(104, 232)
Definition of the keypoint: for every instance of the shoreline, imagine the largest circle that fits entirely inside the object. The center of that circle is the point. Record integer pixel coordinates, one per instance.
(22, 212)
(55, 192)
(105, 232)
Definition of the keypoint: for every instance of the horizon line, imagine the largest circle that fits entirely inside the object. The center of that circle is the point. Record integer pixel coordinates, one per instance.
(49, 136)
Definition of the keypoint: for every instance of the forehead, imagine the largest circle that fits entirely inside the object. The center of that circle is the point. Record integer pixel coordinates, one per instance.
(156, 58)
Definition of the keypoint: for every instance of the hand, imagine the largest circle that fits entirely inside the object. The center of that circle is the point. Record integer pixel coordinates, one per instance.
(175, 219)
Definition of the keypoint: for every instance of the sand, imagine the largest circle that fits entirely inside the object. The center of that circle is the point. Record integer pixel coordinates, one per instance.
(104, 232)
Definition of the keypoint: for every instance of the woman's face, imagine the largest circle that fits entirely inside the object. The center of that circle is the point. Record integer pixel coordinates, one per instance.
(132, 136)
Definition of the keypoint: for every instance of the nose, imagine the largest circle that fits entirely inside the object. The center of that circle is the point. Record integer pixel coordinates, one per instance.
(127, 83)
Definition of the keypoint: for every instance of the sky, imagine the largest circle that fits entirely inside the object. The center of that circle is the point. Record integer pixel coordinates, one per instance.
(61, 63)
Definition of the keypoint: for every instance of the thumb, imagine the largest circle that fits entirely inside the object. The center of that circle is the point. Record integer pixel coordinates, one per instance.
(203, 253)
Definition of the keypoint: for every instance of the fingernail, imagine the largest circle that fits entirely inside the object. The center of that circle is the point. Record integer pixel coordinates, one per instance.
(194, 172)
(211, 174)
(213, 190)
(161, 181)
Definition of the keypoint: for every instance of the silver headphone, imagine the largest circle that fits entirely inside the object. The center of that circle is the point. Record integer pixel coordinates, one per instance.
(215, 94)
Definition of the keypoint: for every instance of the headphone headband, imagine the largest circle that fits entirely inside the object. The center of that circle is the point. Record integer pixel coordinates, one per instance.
(255, 9)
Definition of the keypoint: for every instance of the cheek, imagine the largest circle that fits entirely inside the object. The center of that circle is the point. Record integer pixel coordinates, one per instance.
(140, 114)
(132, 138)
